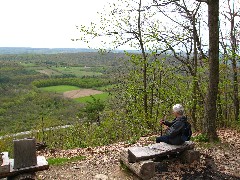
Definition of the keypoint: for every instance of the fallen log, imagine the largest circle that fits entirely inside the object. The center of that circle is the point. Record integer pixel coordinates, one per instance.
(143, 169)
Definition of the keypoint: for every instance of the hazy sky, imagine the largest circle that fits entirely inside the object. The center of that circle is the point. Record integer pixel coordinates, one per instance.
(45, 23)
(48, 23)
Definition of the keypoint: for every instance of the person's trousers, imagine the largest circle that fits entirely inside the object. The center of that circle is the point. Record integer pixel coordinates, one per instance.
(163, 138)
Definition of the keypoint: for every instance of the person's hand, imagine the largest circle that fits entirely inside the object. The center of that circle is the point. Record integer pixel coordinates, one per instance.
(162, 121)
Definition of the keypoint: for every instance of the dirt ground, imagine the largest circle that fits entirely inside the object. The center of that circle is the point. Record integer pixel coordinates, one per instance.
(219, 161)
(80, 93)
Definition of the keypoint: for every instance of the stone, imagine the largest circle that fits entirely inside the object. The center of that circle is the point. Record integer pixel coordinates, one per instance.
(189, 156)
(42, 165)
(100, 177)
(24, 153)
(5, 165)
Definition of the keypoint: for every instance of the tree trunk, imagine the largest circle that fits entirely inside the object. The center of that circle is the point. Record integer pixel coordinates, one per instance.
(152, 93)
(145, 97)
(210, 110)
(234, 67)
(195, 81)
(235, 90)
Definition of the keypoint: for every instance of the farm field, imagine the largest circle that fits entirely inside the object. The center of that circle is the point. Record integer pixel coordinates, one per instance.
(79, 95)
(77, 71)
(32, 88)
(85, 99)
(59, 89)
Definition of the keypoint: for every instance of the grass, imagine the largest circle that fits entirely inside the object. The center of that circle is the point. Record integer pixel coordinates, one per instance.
(59, 89)
(63, 160)
(85, 99)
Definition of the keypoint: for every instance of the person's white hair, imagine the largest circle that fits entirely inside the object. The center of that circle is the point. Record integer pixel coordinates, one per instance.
(178, 108)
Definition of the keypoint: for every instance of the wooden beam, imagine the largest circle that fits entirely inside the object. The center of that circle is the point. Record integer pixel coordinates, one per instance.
(136, 154)
(143, 169)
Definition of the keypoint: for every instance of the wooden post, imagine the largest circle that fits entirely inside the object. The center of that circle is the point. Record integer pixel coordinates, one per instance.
(24, 153)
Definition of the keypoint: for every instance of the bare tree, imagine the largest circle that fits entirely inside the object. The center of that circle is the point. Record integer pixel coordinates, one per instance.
(210, 109)
(231, 15)
(190, 45)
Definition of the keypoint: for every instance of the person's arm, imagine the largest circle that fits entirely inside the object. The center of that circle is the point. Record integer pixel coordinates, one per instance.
(167, 123)
(175, 129)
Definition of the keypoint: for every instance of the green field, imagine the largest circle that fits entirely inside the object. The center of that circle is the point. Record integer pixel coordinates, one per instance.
(59, 89)
(64, 88)
(85, 99)
(78, 71)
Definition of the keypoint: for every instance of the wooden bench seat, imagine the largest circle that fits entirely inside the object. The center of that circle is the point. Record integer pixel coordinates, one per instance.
(136, 154)
(142, 160)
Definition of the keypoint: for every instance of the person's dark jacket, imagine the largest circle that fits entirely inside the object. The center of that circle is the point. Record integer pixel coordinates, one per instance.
(175, 130)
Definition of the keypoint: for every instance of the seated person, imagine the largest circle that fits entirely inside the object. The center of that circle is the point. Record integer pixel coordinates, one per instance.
(175, 134)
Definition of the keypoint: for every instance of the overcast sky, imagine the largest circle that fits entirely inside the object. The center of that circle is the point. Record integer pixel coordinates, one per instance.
(48, 23)
(45, 23)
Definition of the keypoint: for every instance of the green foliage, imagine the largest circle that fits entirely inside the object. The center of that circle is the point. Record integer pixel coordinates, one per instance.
(63, 160)
(110, 130)
(123, 118)
(24, 110)
(79, 82)
(92, 110)
(200, 138)
(163, 90)
(77, 71)
(13, 73)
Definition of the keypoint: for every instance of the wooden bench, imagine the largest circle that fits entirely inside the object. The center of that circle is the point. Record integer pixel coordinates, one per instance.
(25, 162)
(142, 160)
